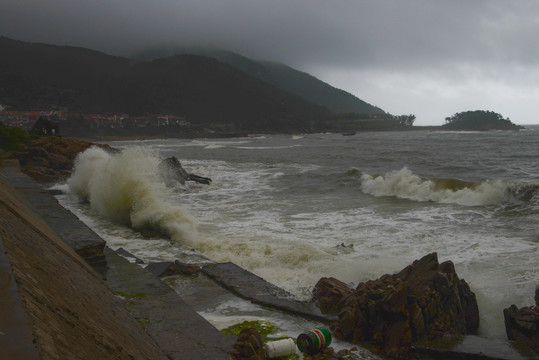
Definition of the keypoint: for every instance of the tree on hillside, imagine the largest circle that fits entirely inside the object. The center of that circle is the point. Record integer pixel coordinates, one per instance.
(406, 120)
(43, 126)
(11, 137)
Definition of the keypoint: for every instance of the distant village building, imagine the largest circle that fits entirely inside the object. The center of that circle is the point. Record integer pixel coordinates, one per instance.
(24, 119)
(27, 119)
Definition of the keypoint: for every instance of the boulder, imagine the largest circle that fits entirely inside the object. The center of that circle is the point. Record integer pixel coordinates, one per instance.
(171, 169)
(522, 325)
(423, 301)
(249, 346)
(328, 292)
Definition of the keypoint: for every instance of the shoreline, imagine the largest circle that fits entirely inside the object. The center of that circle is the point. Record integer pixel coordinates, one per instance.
(35, 191)
(228, 135)
(75, 291)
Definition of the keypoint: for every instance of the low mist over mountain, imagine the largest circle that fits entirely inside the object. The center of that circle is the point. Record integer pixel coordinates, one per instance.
(283, 77)
(199, 88)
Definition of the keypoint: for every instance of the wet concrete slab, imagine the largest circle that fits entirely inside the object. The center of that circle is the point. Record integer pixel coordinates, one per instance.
(178, 330)
(126, 254)
(469, 347)
(16, 340)
(251, 287)
(76, 234)
(199, 291)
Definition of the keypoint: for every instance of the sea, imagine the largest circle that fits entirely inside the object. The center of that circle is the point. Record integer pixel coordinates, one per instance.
(295, 208)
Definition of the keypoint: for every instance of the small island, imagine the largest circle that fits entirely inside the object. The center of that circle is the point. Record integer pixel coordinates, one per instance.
(479, 120)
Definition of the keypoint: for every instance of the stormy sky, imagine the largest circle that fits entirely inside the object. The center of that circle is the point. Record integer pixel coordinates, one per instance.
(431, 58)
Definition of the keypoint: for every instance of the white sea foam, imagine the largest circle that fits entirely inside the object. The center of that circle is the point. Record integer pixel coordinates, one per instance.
(213, 146)
(406, 185)
(126, 188)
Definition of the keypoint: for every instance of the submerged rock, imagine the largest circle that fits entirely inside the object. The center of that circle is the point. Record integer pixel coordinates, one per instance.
(522, 324)
(423, 301)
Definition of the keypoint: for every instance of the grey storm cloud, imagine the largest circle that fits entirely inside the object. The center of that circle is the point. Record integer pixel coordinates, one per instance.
(392, 50)
(341, 33)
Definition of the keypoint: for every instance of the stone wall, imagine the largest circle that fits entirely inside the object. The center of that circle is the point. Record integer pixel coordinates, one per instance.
(72, 314)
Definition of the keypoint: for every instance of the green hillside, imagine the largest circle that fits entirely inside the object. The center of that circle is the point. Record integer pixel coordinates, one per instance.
(201, 89)
(286, 78)
(317, 91)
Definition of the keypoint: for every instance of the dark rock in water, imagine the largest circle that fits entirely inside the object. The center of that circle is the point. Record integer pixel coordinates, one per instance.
(249, 346)
(423, 301)
(328, 292)
(522, 324)
(171, 169)
(199, 179)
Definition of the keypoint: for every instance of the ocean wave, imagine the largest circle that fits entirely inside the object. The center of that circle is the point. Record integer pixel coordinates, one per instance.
(126, 188)
(405, 184)
(266, 147)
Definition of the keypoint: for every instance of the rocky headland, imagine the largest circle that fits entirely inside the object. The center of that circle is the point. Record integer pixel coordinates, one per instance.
(50, 158)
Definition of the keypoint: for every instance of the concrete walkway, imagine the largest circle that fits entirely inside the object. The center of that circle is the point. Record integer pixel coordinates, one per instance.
(177, 330)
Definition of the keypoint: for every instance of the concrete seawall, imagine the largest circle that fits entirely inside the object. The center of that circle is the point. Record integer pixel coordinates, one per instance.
(59, 289)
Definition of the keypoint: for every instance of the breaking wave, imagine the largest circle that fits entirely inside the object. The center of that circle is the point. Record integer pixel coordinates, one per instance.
(405, 184)
(126, 188)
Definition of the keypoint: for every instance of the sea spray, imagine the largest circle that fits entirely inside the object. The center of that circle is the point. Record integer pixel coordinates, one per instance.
(126, 188)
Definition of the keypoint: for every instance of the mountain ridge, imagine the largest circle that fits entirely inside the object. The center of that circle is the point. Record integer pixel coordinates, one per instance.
(202, 89)
(284, 77)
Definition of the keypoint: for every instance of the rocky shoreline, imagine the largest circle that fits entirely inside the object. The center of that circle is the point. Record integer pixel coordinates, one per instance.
(397, 316)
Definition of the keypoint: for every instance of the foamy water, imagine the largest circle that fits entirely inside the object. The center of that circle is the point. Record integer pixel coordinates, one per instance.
(293, 209)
